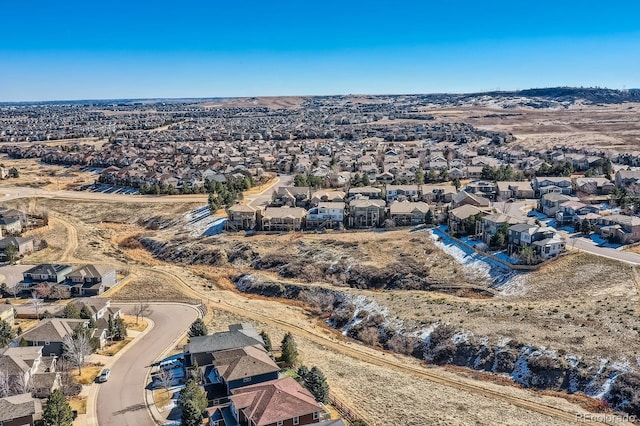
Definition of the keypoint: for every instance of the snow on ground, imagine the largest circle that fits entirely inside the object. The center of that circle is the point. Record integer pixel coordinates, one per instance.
(495, 272)
(200, 222)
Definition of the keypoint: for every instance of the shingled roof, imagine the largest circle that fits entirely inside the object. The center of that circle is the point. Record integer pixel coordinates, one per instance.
(14, 407)
(282, 399)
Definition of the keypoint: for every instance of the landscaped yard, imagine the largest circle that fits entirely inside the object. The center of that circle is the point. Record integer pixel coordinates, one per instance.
(130, 321)
(89, 374)
(79, 404)
(115, 347)
(162, 398)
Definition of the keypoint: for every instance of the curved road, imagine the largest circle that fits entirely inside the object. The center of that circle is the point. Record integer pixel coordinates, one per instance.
(121, 400)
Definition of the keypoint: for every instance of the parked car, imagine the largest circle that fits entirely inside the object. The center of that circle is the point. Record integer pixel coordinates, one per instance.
(104, 375)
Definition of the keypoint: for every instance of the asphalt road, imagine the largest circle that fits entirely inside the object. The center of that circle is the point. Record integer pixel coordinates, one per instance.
(585, 244)
(264, 198)
(120, 401)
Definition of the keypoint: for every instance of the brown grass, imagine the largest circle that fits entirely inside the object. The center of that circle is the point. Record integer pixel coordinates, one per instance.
(114, 347)
(130, 321)
(79, 404)
(89, 374)
(162, 398)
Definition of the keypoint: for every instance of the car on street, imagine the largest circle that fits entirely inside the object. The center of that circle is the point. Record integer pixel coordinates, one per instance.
(104, 375)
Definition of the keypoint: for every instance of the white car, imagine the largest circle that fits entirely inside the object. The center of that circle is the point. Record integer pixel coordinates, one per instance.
(104, 375)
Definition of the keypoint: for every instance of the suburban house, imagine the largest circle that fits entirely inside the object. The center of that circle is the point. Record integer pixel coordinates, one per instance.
(573, 212)
(545, 184)
(482, 188)
(23, 246)
(594, 186)
(366, 213)
(281, 402)
(459, 217)
(327, 196)
(550, 202)
(402, 192)
(408, 213)
(292, 196)
(508, 190)
(545, 241)
(91, 280)
(7, 313)
(625, 229)
(52, 273)
(283, 218)
(10, 225)
(491, 223)
(200, 348)
(442, 193)
(100, 308)
(20, 410)
(628, 180)
(327, 214)
(50, 333)
(465, 198)
(242, 217)
(26, 367)
(238, 367)
(365, 191)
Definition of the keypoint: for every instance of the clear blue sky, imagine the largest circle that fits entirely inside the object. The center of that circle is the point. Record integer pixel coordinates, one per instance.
(74, 49)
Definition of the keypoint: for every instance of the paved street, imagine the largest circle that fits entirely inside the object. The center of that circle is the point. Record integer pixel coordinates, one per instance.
(264, 198)
(584, 244)
(120, 401)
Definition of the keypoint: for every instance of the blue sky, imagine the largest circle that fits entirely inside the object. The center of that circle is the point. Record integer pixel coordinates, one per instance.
(133, 49)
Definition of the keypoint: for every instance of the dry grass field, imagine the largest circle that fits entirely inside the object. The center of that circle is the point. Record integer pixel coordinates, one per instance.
(35, 174)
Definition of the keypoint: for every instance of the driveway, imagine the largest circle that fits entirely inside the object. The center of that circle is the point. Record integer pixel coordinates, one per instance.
(121, 400)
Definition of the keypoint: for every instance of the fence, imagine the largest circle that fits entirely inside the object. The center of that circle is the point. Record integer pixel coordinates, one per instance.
(345, 411)
(188, 301)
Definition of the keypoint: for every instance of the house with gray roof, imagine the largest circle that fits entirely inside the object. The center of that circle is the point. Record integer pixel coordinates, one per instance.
(20, 410)
(91, 280)
(47, 272)
(200, 348)
(50, 333)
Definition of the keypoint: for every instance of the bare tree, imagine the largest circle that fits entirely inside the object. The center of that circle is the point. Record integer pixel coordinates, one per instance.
(76, 349)
(36, 302)
(164, 378)
(21, 385)
(43, 290)
(140, 310)
(5, 384)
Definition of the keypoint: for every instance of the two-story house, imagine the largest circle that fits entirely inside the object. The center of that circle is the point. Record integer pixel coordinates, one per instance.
(573, 212)
(408, 213)
(365, 191)
(628, 180)
(91, 280)
(327, 214)
(491, 223)
(50, 334)
(545, 241)
(53, 273)
(546, 184)
(625, 229)
(366, 213)
(594, 186)
(242, 217)
(402, 192)
(20, 410)
(283, 218)
(27, 368)
(550, 202)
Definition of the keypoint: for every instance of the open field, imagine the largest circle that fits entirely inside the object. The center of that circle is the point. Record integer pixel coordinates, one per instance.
(46, 177)
(163, 280)
(598, 126)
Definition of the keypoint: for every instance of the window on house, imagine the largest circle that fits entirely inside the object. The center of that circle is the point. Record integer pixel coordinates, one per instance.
(246, 380)
(280, 423)
(296, 420)
(46, 342)
(316, 415)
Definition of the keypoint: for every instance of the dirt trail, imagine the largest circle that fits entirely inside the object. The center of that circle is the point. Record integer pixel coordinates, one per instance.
(72, 239)
(315, 334)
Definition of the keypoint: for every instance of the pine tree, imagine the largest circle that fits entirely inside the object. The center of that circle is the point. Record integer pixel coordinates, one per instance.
(289, 356)
(6, 333)
(303, 373)
(267, 341)
(119, 329)
(316, 383)
(190, 414)
(85, 312)
(428, 217)
(192, 394)
(70, 311)
(198, 328)
(57, 411)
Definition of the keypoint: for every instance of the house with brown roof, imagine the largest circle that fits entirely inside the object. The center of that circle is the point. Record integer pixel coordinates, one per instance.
(625, 229)
(20, 410)
(23, 246)
(238, 367)
(7, 313)
(366, 213)
(26, 368)
(460, 216)
(281, 402)
(292, 196)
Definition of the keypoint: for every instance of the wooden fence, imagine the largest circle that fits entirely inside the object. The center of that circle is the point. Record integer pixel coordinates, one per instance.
(345, 412)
